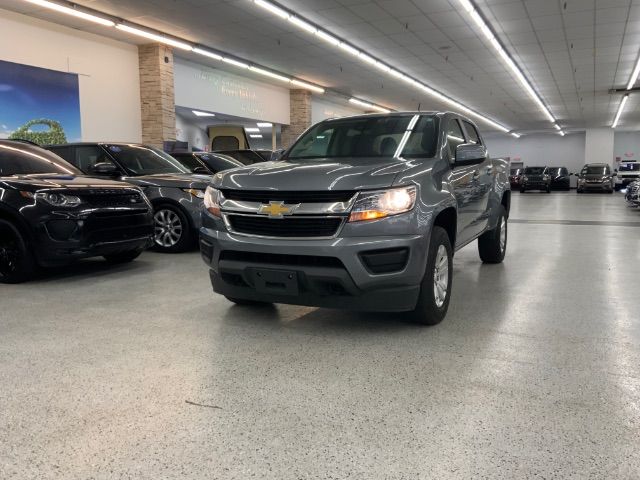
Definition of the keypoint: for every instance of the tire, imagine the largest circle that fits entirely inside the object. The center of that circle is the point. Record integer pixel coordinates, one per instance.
(579, 190)
(492, 245)
(548, 189)
(247, 303)
(522, 190)
(610, 191)
(123, 257)
(17, 263)
(431, 310)
(172, 231)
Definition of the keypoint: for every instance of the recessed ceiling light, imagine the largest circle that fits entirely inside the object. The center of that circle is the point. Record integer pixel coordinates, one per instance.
(198, 113)
(251, 129)
(255, 136)
(264, 124)
(73, 12)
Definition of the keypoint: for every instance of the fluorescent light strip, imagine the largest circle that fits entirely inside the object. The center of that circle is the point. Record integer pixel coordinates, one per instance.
(620, 110)
(154, 36)
(207, 53)
(634, 76)
(267, 73)
(347, 47)
(368, 105)
(308, 86)
(234, 62)
(73, 12)
(488, 33)
(198, 113)
(517, 135)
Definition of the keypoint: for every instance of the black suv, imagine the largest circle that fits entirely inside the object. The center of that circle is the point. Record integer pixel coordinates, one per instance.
(50, 214)
(206, 162)
(175, 193)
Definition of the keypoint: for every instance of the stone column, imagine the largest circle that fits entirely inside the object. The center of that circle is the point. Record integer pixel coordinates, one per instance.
(157, 94)
(300, 106)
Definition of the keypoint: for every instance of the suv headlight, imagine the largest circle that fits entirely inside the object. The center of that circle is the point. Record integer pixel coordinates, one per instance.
(59, 199)
(383, 203)
(545, 177)
(525, 179)
(195, 192)
(212, 201)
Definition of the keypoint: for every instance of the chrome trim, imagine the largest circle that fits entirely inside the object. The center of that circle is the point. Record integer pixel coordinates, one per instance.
(227, 224)
(330, 208)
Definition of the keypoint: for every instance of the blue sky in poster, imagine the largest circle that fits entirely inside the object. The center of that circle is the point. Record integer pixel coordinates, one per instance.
(29, 93)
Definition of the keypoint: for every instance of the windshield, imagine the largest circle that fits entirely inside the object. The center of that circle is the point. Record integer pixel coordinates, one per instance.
(554, 171)
(219, 162)
(534, 170)
(246, 157)
(594, 170)
(141, 160)
(629, 167)
(393, 136)
(19, 159)
(188, 161)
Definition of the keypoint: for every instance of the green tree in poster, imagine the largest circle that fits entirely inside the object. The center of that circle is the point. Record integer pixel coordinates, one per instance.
(54, 136)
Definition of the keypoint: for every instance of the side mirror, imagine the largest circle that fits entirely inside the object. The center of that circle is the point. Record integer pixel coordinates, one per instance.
(470, 154)
(201, 171)
(277, 154)
(105, 169)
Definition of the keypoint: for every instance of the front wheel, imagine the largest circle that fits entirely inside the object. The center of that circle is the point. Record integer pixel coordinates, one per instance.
(17, 263)
(172, 233)
(548, 189)
(435, 290)
(492, 245)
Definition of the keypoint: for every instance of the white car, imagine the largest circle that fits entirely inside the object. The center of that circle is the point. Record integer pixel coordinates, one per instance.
(633, 194)
(628, 171)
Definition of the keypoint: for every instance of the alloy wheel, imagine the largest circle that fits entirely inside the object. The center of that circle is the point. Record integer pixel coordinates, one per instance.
(9, 254)
(441, 276)
(168, 228)
(503, 235)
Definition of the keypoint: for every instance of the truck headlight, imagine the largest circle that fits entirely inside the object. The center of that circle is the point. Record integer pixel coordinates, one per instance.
(212, 201)
(195, 192)
(383, 203)
(59, 199)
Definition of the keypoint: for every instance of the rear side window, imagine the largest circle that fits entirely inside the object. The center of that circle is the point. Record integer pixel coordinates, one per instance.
(86, 157)
(455, 137)
(472, 133)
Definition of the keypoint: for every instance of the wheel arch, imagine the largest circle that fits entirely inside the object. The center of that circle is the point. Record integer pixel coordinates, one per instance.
(447, 218)
(159, 202)
(20, 223)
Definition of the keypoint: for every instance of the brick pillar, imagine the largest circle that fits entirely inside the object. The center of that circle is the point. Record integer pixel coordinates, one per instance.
(156, 94)
(300, 106)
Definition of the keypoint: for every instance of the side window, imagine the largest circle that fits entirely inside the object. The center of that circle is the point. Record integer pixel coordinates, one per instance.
(455, 137)
(472, 133)
(64, 152)
(87, 156)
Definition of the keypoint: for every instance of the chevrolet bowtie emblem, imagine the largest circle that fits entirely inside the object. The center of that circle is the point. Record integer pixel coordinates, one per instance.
(277, 209)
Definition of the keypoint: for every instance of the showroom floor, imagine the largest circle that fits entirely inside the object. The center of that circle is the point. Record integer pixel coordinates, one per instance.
(141, 372)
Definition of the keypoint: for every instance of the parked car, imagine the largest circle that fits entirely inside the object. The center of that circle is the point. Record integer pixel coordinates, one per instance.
(596, 177)
(206, 162)
(514, 177)
(246, 157)
(535, 178)
(628, 171)
(362, 213)
(50, 214)
(632, 195)
(560, 178)
(175, 193)
(265, 154)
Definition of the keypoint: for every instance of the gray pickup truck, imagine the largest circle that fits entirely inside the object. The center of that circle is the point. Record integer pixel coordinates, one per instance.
(361, 213)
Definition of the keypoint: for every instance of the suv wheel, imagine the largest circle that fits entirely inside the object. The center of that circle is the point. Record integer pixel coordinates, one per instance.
(435, 291)
(492, 245)
(172, 232)
(17, 263)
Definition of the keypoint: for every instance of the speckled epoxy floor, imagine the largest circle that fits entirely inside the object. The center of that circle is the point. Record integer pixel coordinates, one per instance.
(535, 373)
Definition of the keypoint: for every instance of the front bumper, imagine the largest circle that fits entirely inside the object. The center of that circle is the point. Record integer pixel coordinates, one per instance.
(324, 273)
(61, 237)
(602, 187)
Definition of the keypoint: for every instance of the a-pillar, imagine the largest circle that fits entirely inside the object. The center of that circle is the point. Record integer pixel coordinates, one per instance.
(157, 94)
(598, 147)
(300, 116)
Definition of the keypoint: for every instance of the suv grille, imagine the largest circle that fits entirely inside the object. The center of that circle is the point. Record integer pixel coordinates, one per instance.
(110, 198)
(285, 227)
(266, 196)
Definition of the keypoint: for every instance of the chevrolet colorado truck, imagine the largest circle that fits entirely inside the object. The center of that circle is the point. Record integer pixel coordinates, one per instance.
(361, 213)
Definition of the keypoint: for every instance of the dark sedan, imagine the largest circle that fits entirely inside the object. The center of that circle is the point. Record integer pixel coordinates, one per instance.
(560, 178)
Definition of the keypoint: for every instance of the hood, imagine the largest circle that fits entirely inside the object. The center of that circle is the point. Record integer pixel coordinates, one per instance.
(317, 174)
(177, 180)
(41, 181)
(594, 177)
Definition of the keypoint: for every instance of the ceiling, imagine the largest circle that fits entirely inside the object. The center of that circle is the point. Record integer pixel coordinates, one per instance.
(572, 51)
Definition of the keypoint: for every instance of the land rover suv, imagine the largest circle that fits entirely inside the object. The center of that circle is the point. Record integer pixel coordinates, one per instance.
(50, 214)
(362, 213)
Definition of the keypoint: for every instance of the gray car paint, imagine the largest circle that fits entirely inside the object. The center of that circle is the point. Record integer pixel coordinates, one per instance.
(474, 191)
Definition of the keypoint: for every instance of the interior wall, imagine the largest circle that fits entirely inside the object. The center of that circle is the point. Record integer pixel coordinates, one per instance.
(543, 149)
(626, 146)
(321, 109)
(191, 133)
(599, 146)
(107, 72)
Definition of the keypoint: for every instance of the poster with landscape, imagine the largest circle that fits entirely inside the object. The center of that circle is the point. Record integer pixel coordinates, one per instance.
(39, 105)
